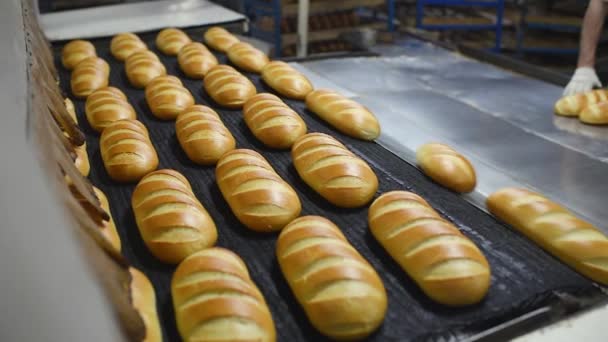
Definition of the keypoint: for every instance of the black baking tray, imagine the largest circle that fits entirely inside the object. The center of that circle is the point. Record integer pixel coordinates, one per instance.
(524, 278)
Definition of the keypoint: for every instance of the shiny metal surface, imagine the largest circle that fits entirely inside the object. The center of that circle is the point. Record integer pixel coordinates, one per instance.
(502, 121)
(134, 17)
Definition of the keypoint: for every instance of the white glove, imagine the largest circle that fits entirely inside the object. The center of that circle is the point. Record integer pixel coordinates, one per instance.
(583, 80)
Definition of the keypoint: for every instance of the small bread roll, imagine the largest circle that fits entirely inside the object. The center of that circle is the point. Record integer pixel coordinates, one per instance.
(171, 220)
(558, 231)
(257, 195)
(272, 121)
(339, 290)
(82, 157)
(144, 302)
(89, 75)
(447, 167)
(447, 266)
(345, 115)
(595, 114)
(167, 97)
(75, 52)
(142, 67)
(216, 300)
(228, 87)
(333, 171)
(219, 39)
(573, 105)
(108, 229)
(124, 44)
(170, 40)
(286, 80)
(246, 57)
(203, 135)
(195, 60)
(126, 150)
(107, 105)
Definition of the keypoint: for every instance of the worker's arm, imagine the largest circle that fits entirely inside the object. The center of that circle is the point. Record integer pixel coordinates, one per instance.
(585, 77)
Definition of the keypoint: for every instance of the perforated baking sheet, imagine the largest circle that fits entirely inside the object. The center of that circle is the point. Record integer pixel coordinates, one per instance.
(523, 276)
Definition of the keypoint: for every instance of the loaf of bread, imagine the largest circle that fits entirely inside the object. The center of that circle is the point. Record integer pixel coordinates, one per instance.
(106, 105)
(195, 60)
(572, 105)
(167, 97)
(203, 135)
(219, 39)
(108, 228)
(89, 75)
(272, 121)
(257, 195)
(447, 167)
(447, 266)
(215, 300)
(345, 115)
(170, 40)
(228, 87)
(286, 80)
(126, 150)
(171, 220)
(82, 157)
(339, 290)
(247, 57)
(333, 171)
(570, 239)
(124, 44)
(75, 52)
(595, 114)
(143, 300)
(142, 67)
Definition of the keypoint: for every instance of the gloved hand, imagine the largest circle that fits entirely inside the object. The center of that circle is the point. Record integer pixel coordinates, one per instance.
(583, 80)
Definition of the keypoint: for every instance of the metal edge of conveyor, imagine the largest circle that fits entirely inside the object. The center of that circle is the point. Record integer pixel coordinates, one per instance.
(48, 292)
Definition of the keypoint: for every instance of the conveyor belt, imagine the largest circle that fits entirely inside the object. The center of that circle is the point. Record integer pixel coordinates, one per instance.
(524, 278)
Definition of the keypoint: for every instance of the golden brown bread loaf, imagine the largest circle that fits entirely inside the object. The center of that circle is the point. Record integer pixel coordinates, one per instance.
(108, 229)
(339, 290)
(447, 167)
(125, 44)
(595, 114)
(82, 157)
(257, 195)
(195, 60)
(247, 57)
(219, 39)
(143, 300)
(570, 239)
(345, 115)
(106, 105)
(89, 75)
(448, 267)
(573, 105)
(126, 150)
(272, 121)
(167, 97)
(142, 67)
(203, 135)
(171, 220)
(286, 80)
(170, 40)
(75, 52)
(228, 87)
(333, 171)
(215, 300)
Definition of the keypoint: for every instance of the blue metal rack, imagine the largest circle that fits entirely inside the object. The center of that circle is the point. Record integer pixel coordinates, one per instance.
(524, 25)
(256, 9)
(499, 5)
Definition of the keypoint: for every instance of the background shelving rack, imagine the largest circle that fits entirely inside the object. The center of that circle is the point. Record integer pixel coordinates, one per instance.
(499, 5)
(277, 9)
